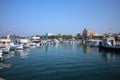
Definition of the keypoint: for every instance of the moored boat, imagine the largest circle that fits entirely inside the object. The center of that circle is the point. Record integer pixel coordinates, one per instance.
(5, 45)
(19, 47)
(109, 45)
(6, 49)
(26, 45)
(0, 53)
(55, 41)
(16, 46)
(94, 43)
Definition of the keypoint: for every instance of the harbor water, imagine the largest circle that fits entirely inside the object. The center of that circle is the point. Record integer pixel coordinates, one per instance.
(60, 62)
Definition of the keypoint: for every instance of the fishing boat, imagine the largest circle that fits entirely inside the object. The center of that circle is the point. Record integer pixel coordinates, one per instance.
(109, 44)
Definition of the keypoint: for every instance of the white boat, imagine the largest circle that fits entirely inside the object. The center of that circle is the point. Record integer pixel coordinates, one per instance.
(23, 40)
(32, 44)
(16, 46)
(94, 43)
(12, 46)
(55, 41)
(109, 44)
(0, 53)
(26, 45)
(36, 43)
(23, 43)
(6, 49)
(21, 53)
(19, 47)
(5, 45)
(72, 41)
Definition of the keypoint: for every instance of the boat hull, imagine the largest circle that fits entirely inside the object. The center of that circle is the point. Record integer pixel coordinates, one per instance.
(0, 53)
(109, 48)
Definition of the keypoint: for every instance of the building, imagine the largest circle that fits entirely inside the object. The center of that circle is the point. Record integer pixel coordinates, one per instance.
(88, 33)
(50, 34)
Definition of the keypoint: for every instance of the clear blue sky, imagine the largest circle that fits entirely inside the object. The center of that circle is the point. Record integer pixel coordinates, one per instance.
(31, 17)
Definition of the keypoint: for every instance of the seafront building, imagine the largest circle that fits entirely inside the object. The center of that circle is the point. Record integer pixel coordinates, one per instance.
(88, 33)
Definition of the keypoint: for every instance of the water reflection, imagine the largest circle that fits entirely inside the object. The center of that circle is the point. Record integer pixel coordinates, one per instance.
(86, 49)
(22, 53)
(67, 46)
(46, 48)
(108, 56)
(56, 45)
(83, 48)
(60, 45)
(5, 61)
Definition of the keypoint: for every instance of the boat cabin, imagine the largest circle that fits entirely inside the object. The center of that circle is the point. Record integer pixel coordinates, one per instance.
(4, 42)
(109, 41)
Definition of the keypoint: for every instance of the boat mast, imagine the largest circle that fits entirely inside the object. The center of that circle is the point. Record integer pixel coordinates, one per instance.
(8, 36)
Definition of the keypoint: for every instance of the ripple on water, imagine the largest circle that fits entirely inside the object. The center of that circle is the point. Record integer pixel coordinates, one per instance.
(63, 63)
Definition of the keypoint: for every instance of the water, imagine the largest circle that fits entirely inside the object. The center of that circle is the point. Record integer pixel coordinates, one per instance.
(60, 62)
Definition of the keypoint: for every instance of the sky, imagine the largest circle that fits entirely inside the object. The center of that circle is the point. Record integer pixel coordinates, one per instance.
(32, 17)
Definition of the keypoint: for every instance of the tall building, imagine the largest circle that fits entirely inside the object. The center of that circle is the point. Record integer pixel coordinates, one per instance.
(88, 33)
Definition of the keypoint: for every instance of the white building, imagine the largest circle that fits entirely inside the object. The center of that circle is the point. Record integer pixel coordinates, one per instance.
(50, 34)
(35, 38)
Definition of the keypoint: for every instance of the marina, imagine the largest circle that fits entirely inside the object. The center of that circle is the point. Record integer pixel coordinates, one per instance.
(64, 61)
(59, 40)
